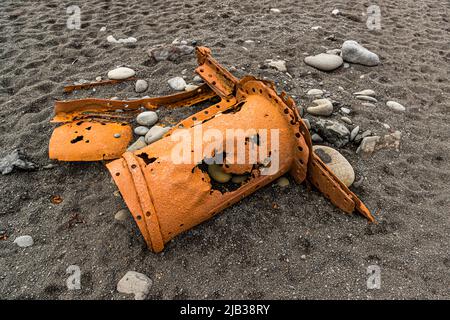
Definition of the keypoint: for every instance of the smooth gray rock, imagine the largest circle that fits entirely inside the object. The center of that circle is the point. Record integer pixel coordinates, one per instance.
(137, 145)
(155, 133)
(321, 107)
(141, 86)
(332, 131)
(141, 130)
(324, 61)
(147, 118)
(24, 241)
(135, 283)
(353, 52)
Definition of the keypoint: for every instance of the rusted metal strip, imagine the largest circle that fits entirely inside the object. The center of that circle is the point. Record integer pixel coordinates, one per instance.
(85, 86)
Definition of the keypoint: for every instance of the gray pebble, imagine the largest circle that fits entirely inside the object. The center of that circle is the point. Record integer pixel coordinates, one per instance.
(141, 130)
(147, 118)
(316, 138)
(141, 86)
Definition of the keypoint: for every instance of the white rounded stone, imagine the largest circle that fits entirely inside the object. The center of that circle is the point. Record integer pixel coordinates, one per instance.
(121, 73)
(322, 107)
(324, 61)
(177, 83)
(314, 92)
(337, 164)
(24, 241)
(395, 106)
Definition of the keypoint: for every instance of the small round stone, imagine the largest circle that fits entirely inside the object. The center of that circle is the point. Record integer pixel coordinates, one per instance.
(337, 163)
(141, 86)
(141, 130)
(116, 135)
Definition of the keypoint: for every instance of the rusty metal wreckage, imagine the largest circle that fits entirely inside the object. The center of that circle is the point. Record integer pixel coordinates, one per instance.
(163, 210)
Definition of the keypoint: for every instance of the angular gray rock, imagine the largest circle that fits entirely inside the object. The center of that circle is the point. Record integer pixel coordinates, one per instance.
(353, 52)
(332, 131)
(16, 159)
(24, 241)
(135, 283)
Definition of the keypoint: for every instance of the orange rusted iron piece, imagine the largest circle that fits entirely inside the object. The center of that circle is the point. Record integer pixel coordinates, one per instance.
(167, 198)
